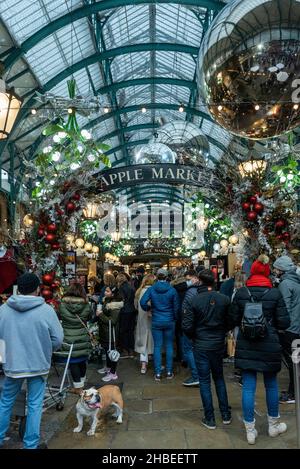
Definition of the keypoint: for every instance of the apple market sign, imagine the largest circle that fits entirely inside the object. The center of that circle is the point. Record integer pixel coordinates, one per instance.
(164, 173)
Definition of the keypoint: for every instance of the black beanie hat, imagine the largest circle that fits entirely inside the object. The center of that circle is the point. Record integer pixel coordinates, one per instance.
(28, 283)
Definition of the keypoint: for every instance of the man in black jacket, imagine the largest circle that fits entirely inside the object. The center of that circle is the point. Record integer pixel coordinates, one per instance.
(205, 321)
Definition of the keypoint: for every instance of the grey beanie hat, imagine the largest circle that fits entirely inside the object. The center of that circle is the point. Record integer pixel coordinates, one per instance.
(284, 263)
(162, 272)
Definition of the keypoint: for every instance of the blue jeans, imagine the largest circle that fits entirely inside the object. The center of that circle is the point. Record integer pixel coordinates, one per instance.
(248, 394)
(163, 334)
(189, 356)
(211, 362)
(35, 395)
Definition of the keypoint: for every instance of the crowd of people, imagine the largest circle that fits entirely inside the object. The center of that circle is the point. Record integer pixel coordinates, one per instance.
(146, 314)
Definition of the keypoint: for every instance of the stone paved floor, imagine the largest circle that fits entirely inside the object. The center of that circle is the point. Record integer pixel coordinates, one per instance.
(166, 415)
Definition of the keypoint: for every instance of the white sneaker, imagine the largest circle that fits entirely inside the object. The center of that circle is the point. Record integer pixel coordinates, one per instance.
(276, 427)
(251, 432)
(103, 371)
(110, 377)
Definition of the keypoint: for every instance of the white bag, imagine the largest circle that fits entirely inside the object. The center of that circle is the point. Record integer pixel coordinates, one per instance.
(113, 355)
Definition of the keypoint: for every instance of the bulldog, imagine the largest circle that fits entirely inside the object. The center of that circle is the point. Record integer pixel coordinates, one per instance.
(92, 401)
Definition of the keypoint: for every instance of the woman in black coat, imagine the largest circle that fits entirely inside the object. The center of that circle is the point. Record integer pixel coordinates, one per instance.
(263, 355)
(127, 316)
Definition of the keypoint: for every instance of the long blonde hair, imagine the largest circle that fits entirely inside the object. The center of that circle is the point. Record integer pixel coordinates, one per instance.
(148, 280)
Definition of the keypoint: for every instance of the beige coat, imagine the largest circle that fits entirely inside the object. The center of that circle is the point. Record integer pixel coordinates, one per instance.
(143, 333)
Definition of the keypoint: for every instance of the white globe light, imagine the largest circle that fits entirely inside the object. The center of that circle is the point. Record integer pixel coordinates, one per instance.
(224, 243)
(91, 157)
(56, 138)
(95, 249)
(74, 166)
(86, 134)
(234, 239)
(62, 135)
(79, 242)
(216, 247)
(47, 150)
(80, 148)
(56, 156)
(88, 246)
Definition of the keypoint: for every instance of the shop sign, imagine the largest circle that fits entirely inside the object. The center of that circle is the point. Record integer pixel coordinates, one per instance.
(126, 176)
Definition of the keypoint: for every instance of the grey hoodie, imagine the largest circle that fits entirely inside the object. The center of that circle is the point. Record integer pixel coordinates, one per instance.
(290, 289)
(31, 331)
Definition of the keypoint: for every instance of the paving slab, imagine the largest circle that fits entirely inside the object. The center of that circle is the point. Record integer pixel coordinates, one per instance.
(174, 404)
(155, 391)
(149, 439)
(155, 421)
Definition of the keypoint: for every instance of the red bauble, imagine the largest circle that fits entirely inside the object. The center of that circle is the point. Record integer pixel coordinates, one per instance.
(47, 279)
(258, 207)
(252, 199)
(246, 206)
(52, 228)
(286, 236)
(76, 196)
(279, 224)
(55, 246)
(251, 216)
(59, 212)
(70, 207)
(50, 238)
(40, 233)
(42, 227)
(47, 294)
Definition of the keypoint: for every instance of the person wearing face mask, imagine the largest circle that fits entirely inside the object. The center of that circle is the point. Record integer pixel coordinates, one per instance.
(289, 286)
(192, 284)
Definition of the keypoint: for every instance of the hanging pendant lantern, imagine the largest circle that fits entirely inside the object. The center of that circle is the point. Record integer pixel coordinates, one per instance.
(10, 104)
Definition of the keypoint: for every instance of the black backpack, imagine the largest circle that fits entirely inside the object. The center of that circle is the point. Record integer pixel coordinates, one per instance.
(254, 325)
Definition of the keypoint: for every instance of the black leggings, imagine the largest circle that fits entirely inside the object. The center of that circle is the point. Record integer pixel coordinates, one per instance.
(78, 371)
(126, 331)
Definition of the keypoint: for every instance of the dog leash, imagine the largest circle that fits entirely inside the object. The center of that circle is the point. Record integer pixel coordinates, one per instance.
(89, 333)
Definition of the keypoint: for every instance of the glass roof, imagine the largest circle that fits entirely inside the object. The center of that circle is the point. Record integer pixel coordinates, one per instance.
(160, 73)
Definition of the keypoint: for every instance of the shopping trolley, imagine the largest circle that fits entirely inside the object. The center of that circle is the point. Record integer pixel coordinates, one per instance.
(55, 394)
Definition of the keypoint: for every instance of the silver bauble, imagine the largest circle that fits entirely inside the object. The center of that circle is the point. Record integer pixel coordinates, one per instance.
(249, 67)
(185, 139)
(154, 153)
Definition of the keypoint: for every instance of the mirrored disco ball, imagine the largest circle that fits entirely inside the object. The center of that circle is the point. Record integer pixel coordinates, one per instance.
(249, 67)
(154, 153)
(185, 139)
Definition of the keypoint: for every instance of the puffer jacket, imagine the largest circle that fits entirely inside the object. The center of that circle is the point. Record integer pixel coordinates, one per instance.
(290, 289)
(164, 302)
(127, 293)
(262, 355)
(111, 311)
(205, 319)
(74, 331)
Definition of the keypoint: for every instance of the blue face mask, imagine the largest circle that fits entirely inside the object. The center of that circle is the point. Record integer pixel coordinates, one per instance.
(189, 283)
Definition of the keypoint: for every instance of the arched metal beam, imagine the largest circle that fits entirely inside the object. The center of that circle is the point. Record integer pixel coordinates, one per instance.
(134, 108)
(112, 53)
(91, 9)
(147, 81)
(150, 125)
